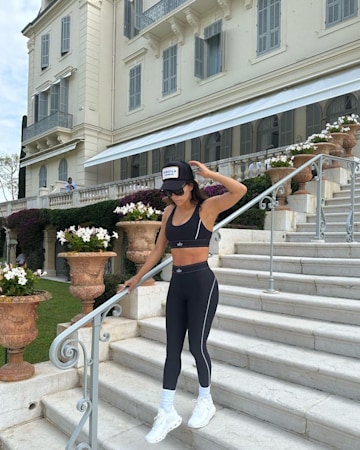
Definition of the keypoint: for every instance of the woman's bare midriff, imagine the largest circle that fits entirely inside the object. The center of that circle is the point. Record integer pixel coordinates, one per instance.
(186, 256)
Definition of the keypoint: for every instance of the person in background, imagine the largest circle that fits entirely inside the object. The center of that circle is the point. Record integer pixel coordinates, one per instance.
(192, 298)
(20, 259)
(70, 185)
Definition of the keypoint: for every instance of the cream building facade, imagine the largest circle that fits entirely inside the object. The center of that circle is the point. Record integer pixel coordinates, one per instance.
(119, 87)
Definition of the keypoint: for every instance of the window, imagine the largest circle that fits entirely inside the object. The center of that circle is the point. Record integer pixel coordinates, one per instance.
(132, 17)
(45, 47)
(65, 35)
(43, 177)
(209, 51)
(196, 149)
(341, 106)
(123, 169)
(246, 139)
(135, 87)
(139, 165)
(155, 160)
(313, 119)
(287, 128)
(218, 145)
(41, 106)
(63, 170)
(339, 10)
(268, 133)
(174, 152)
(59, 96)
(170, 70)
(268, 25)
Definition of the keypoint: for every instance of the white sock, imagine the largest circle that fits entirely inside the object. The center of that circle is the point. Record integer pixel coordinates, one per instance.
(204, 392)
(167, 400)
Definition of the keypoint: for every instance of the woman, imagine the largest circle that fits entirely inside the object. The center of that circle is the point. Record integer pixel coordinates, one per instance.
(192, 299)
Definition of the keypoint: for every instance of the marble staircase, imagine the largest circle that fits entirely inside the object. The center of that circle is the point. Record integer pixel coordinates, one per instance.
(286, 362)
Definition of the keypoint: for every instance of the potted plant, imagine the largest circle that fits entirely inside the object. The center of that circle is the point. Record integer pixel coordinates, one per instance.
(338, 133)
(87, 256)
(280, 167)
(322, 142)
(18, 303)
(301, 153)
(352, 122)
(141, 224)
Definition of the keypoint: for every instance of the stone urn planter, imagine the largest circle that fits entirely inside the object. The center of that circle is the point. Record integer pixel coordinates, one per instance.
(87, 277)
(351, 138)
(305, 175)
(276, 174)
(18, 329)
(141, 240)
(338, 140)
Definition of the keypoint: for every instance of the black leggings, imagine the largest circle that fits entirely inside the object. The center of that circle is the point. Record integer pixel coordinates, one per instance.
(191, 305)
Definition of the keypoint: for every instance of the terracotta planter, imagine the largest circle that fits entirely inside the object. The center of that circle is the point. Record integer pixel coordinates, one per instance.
(324, 148)
(305, 175)
(276, 174)
(338, 140)
(18, 329)
(87, 277)
(141, 240)
(350, 141)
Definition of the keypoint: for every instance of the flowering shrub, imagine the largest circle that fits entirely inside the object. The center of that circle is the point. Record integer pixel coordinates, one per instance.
(280, 161)
(301, 148)
(18, 280)
(349, 119)
(336, 128)
(137, 211)
(85, 239)
(324, 136)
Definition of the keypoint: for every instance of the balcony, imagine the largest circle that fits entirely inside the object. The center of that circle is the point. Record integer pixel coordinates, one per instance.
(57, 120)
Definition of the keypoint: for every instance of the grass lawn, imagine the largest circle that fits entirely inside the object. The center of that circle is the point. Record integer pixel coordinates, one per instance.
(60, 308)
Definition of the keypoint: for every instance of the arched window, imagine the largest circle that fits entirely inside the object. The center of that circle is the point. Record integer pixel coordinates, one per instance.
(218, 145)
(138, 165)
(43, 177)
(341, 106)
(63, 170)
(268, 133)
(313, 119)
(155, 160)
(174, 152)
(246, 139)
(196, 149)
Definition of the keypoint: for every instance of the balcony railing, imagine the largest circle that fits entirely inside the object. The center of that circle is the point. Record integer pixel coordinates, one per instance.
(158, 11)
(57, 120)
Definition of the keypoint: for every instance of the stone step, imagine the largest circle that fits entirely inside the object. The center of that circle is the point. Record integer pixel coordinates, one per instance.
(334, 267)
(306, 249)
(342, 287)
(336, 237)
(315, 369)
(335, 338)
(331, 309)
(310, 413)
(334, 217)
(336, 206)
(331, 227)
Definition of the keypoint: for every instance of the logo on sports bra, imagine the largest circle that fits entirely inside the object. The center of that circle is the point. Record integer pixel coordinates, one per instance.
(179, 244)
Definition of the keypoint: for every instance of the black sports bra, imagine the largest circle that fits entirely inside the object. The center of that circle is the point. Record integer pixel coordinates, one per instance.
(190, 234)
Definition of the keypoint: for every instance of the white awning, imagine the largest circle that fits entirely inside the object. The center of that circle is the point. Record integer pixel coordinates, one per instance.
(288, 99)
(47, 154)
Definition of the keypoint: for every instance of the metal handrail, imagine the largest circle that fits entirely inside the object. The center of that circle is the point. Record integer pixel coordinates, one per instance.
(65, 351)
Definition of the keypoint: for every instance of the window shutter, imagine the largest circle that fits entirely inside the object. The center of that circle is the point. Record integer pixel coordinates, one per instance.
(65, 35)
(313, 119)
(226, 143)
(287, 128)
(45, 41)
(54, 98)
(127, 19)
(199, 57)
(246, 138)
(64, 95)
(196, 149)
(143, 164)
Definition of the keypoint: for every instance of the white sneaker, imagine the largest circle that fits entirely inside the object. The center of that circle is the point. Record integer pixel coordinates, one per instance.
(203, 412)
(163, 423)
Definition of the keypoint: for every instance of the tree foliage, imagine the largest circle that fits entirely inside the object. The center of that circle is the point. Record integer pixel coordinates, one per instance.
(9, 176)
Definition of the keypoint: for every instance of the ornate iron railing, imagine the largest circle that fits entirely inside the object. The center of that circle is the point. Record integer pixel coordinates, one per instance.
(65, 351)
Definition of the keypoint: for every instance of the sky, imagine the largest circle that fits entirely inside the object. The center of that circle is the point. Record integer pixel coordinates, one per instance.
(15, 15)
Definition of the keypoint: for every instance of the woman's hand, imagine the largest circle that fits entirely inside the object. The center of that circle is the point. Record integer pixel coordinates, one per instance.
(203, 170)
(131, 284)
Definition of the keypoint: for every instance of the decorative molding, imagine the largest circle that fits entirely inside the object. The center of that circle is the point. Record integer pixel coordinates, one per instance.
(96, 3)
(178, 29)
(193, 20)
(31, 44)
(225, 5)
(249, 4)
(153, 44)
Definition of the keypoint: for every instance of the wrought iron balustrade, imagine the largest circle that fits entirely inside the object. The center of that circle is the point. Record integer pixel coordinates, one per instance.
(56, 120)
